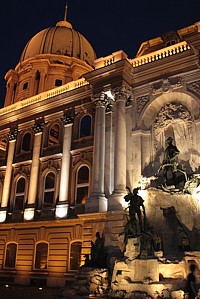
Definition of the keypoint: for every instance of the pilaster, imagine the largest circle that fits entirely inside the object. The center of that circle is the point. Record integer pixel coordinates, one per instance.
(63, 204)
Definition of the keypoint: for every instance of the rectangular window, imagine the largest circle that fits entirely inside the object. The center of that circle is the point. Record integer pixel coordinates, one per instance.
(25, 85)
(58, 82)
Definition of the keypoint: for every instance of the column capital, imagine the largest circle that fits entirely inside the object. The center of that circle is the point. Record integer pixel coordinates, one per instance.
(99, 99)
(68, 117)
(38, 126)
(103, 100)
(122, 93)
(12, 135)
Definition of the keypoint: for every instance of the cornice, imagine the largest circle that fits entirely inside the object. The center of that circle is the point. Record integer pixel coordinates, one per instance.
(114, 73)
(46, 102)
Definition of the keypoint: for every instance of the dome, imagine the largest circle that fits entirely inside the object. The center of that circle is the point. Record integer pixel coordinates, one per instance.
(61, 39)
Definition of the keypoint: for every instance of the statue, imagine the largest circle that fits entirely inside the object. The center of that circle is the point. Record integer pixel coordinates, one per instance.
(146, 246)
(87, 262)
(135, 202)
(130, 228)
(97, 252)
(173, 172)
(157, 241)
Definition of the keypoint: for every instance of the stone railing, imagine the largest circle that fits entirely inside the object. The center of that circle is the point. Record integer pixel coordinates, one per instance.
(44, 95)
(160, 54)
(110, 59)
(153, 56)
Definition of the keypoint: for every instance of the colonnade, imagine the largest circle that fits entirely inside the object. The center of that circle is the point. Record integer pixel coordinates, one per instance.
(62, 205)
(97, 201)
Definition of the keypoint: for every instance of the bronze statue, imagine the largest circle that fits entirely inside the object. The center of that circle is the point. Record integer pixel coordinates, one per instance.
(170, 166)
(171, 152)
(135, 204)
(97, 252)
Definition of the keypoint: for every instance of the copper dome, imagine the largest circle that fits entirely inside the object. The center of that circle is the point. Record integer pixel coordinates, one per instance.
(61, 39)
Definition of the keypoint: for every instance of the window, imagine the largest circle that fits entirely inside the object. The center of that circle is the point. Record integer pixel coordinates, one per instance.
(25, 85)
(41, 256)
(10, 260)
(49, 190)
(82, 186)
(20, 194)
(85, 126)
(3, 147)
(26, 142)
(170, 43)
(58, 82)
(54, 135)
(75, 256)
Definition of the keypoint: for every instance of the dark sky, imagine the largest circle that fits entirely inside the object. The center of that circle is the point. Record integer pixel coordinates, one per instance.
(109, 25)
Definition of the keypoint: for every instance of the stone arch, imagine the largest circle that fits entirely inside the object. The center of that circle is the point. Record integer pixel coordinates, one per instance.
(172, 114)
(149, 113)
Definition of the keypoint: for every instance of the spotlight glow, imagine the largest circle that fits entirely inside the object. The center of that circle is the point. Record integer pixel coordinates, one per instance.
(61, 211)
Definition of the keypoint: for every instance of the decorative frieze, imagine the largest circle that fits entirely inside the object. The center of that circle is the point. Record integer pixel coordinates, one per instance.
(166, 85)
(170, 114)
(194, 87)
(141, 102)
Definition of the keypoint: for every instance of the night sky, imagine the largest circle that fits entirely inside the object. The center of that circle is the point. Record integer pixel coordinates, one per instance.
(109, 25)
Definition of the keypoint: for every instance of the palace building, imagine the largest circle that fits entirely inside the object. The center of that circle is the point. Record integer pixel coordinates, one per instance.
(75, 130)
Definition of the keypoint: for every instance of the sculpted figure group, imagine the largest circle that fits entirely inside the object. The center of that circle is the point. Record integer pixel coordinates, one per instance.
(173, 172)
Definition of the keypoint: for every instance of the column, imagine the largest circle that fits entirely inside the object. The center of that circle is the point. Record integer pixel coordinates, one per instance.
(97, 202)
(116, 199)
(8, 174)
(10, 87)
(33, 183)
(109, 171)
(42, 81)
(63, 204)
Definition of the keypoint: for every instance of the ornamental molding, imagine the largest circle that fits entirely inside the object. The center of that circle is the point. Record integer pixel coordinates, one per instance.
(103, 100)
(166, 85)
(38, 126)
(122, 92)
(12, 135)
(68, 118)
(141, 102)
(106, 100)
(169, 114)
(194, 87)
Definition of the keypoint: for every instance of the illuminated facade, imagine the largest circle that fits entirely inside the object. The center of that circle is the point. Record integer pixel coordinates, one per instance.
(75, 131)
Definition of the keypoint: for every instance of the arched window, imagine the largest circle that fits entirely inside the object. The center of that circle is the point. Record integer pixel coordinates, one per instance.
(10, 258)
(3, 144)
(41, 256)
(85, 126)
(49, 190)
(26, 142)
(54, 134)
(20, 194)
(75, 255)
(82, 184)
(3, 148)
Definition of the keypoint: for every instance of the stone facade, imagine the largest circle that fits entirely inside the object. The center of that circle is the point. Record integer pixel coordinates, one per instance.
(81, 130)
